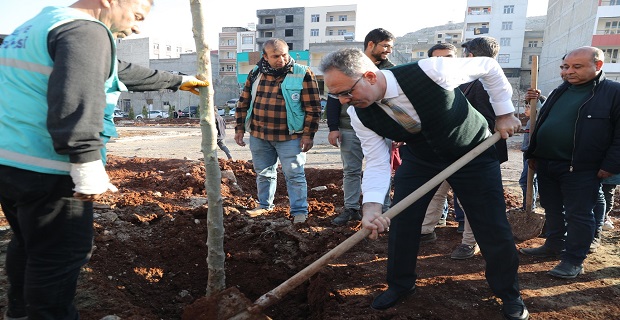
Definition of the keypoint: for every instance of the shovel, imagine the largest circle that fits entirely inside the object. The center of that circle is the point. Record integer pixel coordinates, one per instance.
(527, 224)
(242, 310)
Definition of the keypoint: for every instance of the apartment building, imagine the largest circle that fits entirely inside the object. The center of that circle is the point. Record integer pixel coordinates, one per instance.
(576, 23)
(304, 25)
(503, 20)
(233, 40)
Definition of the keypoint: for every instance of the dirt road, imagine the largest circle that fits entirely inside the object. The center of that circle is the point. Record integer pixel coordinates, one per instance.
(183, 142)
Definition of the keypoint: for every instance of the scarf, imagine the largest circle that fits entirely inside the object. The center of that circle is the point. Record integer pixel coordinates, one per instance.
(265, 68)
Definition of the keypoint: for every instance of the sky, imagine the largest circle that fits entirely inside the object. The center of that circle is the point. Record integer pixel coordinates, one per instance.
(172, 18)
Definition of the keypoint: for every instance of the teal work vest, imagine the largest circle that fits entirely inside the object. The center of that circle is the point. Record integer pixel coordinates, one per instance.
(291, 87)
(25, 68)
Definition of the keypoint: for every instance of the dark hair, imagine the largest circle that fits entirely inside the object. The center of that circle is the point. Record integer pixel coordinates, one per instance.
(441, 46)
(482, 47)
(377, 35)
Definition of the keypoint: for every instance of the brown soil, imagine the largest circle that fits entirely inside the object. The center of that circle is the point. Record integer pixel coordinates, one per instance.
(150, 255)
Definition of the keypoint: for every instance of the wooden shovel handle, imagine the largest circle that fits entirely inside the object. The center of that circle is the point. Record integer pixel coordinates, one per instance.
(529, 191)
(276, 294)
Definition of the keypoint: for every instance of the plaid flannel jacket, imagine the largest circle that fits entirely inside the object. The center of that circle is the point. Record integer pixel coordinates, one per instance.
(268, 120)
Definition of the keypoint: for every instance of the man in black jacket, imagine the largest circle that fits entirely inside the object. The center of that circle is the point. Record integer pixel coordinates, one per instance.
(576, 142)
(377, 46)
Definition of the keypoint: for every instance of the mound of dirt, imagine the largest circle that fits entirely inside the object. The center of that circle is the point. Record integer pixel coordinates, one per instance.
(150, 255)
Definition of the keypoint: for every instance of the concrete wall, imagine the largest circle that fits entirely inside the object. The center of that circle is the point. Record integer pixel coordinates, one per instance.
(569, 26)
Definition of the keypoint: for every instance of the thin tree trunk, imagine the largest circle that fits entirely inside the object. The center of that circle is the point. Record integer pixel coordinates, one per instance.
(215, 224)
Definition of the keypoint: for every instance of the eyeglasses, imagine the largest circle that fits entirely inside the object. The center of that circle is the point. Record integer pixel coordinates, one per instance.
(345, 94)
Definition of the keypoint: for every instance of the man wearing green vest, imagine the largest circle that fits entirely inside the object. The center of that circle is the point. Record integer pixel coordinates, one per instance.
(419, 103)
(280, 107)
(60, 69)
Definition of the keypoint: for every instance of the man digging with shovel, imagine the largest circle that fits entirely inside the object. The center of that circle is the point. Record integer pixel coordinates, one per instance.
(417, 103)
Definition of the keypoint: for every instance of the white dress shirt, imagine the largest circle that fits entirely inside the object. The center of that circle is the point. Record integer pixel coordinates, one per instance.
(449, 73)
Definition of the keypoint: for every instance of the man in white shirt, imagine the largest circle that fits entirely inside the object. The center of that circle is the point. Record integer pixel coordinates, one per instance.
(417, 103)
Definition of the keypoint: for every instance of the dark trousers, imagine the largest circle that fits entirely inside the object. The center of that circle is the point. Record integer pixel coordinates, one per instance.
(223, 147)
(569, 199)
(52, 240)
(480, 191)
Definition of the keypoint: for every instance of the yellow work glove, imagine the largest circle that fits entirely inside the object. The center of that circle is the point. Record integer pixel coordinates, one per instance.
(191, 83)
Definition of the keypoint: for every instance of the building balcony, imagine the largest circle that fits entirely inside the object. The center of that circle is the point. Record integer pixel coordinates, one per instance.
(603, 3)
(265, 26)
(606, 40)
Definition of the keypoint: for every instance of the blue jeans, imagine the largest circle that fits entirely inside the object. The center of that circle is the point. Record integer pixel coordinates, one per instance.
(52, 239)
(265, 155)
(599, 211)
(523, 183)
(568, 199)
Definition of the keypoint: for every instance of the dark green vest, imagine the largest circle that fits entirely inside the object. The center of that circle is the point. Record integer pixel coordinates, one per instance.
(450, 125)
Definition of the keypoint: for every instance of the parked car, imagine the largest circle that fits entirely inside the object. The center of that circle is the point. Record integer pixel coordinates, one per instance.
(153, 114)
(189, 112)
(231, 112)
(232, 103)
(119, 114)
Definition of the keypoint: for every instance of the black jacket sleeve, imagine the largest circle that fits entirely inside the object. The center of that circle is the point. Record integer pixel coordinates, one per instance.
(332, 111)
(82, 55)
(138, 78)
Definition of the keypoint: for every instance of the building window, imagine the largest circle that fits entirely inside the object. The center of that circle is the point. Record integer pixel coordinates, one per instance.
(288, 32)
(611, 55)
(612, 27)
(179, 49)
(503, 58)
(268, 34)
(504, 42)
(155, 45)
(268, 20)
(330, 19)
(341, 32)
(247, 40)
(314, 18)
(532, 44)
(230, 67)
(314, 32)
(330, 32)
(290, 45)
(342, 17)
(288, 18)
(168, 48)
(530, 59)
(509, 9)
(439, 35)
(614, 2)
(231, 42)
(420, 54)
(507, 25)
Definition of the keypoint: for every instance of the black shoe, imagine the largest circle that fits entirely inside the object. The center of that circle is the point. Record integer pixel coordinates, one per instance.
(541, 252)
(346, 216)
(566, 270)
(461, 227)
(429, 237)
(389, 298)
(515, 310)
